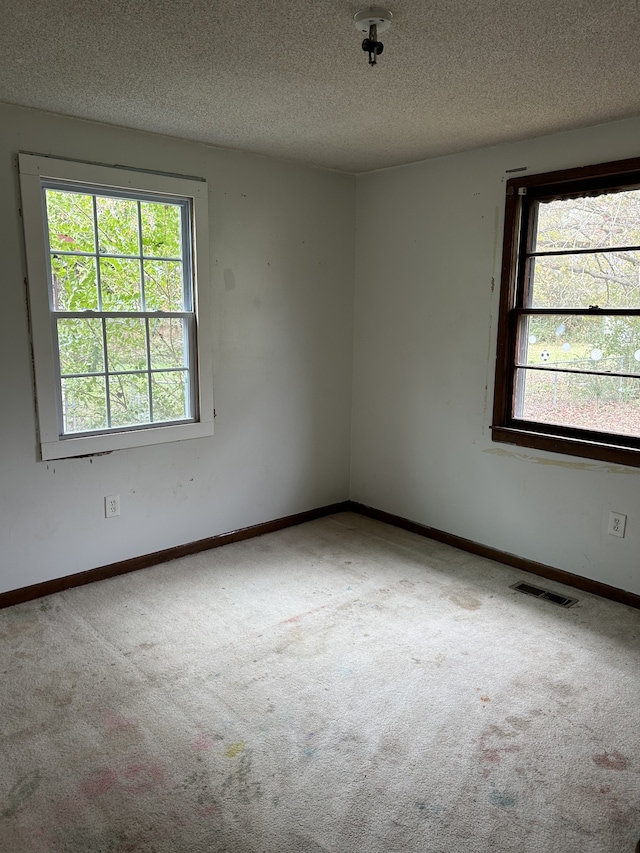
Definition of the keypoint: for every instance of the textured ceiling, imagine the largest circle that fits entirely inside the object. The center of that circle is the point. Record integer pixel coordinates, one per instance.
(289, 79)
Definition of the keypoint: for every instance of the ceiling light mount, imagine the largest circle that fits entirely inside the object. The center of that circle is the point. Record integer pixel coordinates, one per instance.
(373, 21)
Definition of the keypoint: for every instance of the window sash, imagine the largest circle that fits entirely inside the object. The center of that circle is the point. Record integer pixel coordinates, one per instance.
(189, 327)
(509, 425)
(190, 368)
(186, 220)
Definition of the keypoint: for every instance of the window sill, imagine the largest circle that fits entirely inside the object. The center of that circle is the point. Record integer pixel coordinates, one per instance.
(89, 445)
(600, 451)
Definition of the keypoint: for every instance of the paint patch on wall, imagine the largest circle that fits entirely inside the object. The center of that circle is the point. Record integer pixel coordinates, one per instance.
(229, 280)
(560, 463)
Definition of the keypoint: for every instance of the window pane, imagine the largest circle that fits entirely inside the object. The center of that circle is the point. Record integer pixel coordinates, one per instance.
(120, 285)
(170, 396)
(70, 218)
(126, 344)
(600, 403)
(74, 283)
(129, 399)
(607, 344)
(80, 345)
(163, 290)
(166, 338)
(118, 226)
(609, 280)
(161, 230)
(589, 223)
(84, 404)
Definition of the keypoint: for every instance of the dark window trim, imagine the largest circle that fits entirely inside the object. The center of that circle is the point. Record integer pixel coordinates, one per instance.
(606, 447)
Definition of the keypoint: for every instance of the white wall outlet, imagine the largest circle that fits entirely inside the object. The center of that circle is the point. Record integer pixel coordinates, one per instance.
(111, 506)
(617, 524)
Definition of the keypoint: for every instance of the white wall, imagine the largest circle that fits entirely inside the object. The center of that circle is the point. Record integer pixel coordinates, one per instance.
(428, 256)
(428, 246)
(282, 240)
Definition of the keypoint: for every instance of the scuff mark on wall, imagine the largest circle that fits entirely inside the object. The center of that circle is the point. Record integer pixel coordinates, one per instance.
(484, 407)
(486, 384)
(560, 463)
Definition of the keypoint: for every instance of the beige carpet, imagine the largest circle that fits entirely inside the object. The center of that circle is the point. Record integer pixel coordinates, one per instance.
(340, 686)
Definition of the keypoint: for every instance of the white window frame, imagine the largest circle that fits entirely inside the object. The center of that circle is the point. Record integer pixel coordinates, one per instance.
(34, 170)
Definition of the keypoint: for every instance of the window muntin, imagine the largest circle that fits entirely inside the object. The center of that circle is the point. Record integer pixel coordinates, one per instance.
(118, 274)
(568, 367)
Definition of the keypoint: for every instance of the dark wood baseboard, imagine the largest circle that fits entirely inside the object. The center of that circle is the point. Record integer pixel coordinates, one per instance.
(544, 571)
(28, 593)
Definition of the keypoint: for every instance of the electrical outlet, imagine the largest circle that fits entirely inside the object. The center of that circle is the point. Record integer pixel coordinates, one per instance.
(111, 506)
(617, 524)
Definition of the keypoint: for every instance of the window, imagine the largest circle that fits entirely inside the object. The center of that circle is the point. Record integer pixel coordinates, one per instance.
(568, 360)
(118, 267)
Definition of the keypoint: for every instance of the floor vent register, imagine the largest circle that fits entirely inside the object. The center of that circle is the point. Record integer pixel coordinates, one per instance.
(545, 594)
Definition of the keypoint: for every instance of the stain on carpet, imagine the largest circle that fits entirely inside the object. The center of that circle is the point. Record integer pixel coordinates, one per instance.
(198, 787)
(501, 799)
(21, 792)
(19, 620)
(202, 743)
(235, 749)
(611, 760)
(141, 776)
(465, 598)
(238, 784)
(97, 784)
(115, 722)
(520, 723)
